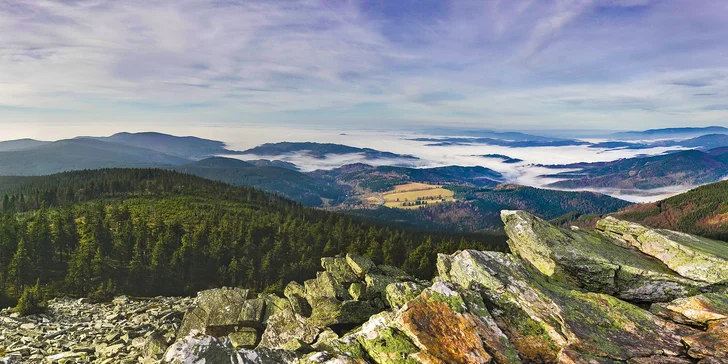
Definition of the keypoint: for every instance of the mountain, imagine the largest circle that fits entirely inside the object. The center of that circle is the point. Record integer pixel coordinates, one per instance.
(187, 147)
(691, 167)
(541, 142)
(479, 209)
(20, 144)
(78, 154)
(701, 211)
(502, 157)
(669, 133)
(321, 150)
(292, 184)
(382, 178)
(703, 142)
(273, 163)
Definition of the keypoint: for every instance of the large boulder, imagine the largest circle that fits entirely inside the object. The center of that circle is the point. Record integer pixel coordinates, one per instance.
(547, 321)
(203, 349)
(691, 256)
(218, 312)
(287, 325)
(453, 327)
(698, 310)
(593, 261)
(710, 346)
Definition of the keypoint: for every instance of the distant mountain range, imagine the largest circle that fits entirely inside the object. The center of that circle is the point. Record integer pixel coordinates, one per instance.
(669, 133)
(321, 150)
(690, 167)
(542, 142)
(703, 142)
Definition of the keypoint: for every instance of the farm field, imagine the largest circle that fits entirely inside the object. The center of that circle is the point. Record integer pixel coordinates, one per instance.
(416, 195)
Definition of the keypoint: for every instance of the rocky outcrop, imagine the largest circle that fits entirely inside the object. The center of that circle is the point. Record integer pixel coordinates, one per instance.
(593, 261)
(561, 296)
(691, 256)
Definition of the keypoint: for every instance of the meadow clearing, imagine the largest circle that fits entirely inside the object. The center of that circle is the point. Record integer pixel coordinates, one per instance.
(416, 195)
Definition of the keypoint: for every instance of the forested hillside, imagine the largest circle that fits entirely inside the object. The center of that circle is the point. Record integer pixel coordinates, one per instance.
(155, 232)
(702, 211)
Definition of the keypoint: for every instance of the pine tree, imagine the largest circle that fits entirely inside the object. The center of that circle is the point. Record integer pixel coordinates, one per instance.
(20, 268)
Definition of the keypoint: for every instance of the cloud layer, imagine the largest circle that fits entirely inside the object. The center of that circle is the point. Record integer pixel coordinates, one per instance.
(517, 64)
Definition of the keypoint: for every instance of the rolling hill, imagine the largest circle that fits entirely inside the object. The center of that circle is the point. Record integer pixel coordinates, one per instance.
(669, 133)
(690, 167)
(187, 147)
(321, 150)
(702, 211)
(292, 184)
(78, 154)
(20, 144)
(479, 209)
(382, 178)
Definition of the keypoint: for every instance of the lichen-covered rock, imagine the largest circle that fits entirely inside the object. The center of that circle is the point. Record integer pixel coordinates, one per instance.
(544, 319)
(438, 324)
(710, 344)
(244, 338)
(698, 310)
(333, 312)
(199, 349)
(399, 293)
(296, 294)
(385, 344)
(218, 312)
(339, 269)
(285, 326)
(360, 265)
(324, 287)
(357, 291)
(691, 256)
(593, 261)
(377, 284)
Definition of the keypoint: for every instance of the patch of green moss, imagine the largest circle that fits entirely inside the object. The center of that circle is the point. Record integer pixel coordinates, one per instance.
(389, 347)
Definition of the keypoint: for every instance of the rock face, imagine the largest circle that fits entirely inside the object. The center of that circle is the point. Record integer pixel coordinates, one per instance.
(593, 261)
(562, 296)
(691, 256)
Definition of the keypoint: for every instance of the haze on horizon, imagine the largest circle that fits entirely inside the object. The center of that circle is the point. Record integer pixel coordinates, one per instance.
(507, 65)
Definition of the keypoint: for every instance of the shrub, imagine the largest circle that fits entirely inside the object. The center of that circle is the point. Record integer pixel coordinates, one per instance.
(104, 293)
(31, 302)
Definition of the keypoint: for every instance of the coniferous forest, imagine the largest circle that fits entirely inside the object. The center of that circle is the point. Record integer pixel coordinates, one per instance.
(151, 232)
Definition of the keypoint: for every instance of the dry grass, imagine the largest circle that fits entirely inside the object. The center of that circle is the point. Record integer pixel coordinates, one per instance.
(403, 195)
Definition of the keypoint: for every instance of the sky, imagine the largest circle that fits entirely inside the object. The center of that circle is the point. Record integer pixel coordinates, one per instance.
(495, 64)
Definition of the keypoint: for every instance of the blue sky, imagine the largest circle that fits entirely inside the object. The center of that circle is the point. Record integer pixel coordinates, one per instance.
(508, 64)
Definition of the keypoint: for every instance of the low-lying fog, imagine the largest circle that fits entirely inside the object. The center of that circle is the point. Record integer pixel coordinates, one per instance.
(525, 173)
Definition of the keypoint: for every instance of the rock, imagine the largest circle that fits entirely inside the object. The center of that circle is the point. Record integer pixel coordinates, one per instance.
(360, 265)
(710, 344)
(155, 346)
(339, 269)
(285, 326)
(438, 324)
(593, 261)
(218, 312)
(244, 338)
(296, 295)
(691, 256)
(357, 291)
(200, 349)
(659, 360)
(399, 293)
(377, 284)
(384, 344)
(697, 310)
(544, 319)
(324, 287)
(332, 312)
(394, 272)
